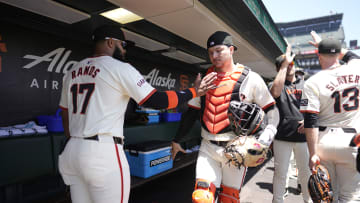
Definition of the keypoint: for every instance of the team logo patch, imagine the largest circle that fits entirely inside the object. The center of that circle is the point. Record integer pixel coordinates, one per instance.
(304, 102)
(140, 82)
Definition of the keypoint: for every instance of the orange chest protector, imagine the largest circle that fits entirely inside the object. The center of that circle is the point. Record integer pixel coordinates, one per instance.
(216, 102)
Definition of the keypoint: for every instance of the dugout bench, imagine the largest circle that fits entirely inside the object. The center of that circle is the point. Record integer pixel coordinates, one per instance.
(29, 169)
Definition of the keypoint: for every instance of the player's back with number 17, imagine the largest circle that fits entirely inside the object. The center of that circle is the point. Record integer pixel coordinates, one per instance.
(94, 80)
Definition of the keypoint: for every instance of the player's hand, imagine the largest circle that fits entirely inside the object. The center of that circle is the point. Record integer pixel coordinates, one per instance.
(289, 57)
(202, 86)
(316, 39)
(301, 128)
(175, 148)
(314, 160)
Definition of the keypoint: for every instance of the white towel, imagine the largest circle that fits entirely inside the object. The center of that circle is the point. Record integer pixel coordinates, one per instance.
(4, 133)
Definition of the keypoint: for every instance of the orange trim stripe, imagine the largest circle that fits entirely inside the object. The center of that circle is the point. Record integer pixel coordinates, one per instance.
(308, 111)
(243, 178)
(172, 99)
(193, 91)
(357, 140)
(194, 107)
(147, 97)
(268, 105)
(258, 125)
(63, 108)
(121, 173)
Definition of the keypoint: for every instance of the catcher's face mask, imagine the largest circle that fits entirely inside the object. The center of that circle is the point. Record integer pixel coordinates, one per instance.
(246, 119)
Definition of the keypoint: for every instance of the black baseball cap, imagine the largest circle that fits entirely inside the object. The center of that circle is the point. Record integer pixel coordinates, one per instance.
(220, 38)
(110, 31)
(329, 46)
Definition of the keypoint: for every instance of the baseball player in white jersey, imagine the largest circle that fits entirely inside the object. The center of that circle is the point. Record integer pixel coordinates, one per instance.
(330, 102)
(94, 97)
(213, 174)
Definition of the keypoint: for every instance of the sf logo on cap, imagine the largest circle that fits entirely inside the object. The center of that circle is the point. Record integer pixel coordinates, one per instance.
(212, 43)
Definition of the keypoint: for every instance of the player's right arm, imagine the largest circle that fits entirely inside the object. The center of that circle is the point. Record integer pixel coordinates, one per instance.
(310, 107)
(188, 120)
(145, 95)
(279, 80)
(344, 55)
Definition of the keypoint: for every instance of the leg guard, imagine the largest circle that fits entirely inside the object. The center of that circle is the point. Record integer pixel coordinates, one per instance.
(204, 192)
(229, 195)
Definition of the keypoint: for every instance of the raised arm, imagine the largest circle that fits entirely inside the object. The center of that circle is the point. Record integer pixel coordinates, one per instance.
(279, 81)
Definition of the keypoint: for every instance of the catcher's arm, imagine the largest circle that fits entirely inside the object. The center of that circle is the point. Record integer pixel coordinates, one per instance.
(268, 135)
(187, 122)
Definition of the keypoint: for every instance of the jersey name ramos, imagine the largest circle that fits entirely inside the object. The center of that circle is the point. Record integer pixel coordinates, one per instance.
(252, 90)
(96, 93)
(334, 95)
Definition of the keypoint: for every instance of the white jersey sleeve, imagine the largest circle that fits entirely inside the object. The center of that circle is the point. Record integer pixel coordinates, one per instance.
(310, 100)
(134, 84)
(255, 90)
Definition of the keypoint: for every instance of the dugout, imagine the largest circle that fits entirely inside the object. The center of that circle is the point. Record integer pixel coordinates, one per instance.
(41, 39)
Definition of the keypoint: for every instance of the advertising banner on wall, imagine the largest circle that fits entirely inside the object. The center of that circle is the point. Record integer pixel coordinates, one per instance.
(33, 63)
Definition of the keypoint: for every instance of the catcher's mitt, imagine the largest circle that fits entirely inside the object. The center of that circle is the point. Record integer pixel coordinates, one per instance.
(319, 185)
(246, 151)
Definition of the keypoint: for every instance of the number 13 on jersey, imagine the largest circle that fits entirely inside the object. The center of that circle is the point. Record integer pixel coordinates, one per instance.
(352, 93)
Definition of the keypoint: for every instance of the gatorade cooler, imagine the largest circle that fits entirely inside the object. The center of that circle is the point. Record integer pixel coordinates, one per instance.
(149, 158)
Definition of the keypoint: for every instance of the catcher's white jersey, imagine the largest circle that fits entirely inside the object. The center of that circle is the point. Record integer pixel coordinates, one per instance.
(252, 90)
(334, 94)
(96, 93)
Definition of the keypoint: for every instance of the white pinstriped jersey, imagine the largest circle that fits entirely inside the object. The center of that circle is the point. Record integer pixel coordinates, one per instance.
(252, 90)
(96, 93)
(334, 94)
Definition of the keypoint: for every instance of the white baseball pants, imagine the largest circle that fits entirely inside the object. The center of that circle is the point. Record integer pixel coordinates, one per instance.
(282, 155)
(212, 165)
(96, 171)
(340, 161)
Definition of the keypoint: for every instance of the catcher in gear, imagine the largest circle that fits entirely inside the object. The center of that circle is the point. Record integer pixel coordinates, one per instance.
(320, 185)
(247, 121)
(234, 82)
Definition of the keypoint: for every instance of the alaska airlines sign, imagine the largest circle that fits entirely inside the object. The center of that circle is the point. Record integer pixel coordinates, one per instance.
(156, 80)
(58, 63)
(53, 57)
(58, 56)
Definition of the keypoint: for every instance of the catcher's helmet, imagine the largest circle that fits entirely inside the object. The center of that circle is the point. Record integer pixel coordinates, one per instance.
(246, 119)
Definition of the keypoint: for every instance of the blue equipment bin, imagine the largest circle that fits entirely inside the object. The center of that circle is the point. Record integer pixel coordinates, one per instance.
(153, 119)
(149, 158)
(152, 115)
(170, 117)
(42, 120)
(54, 123)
